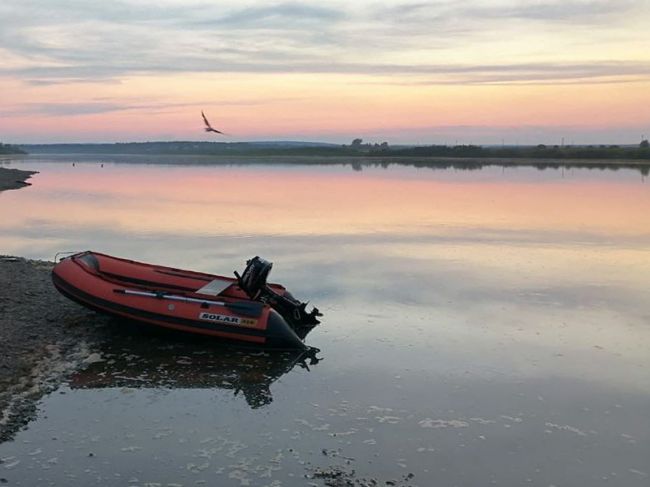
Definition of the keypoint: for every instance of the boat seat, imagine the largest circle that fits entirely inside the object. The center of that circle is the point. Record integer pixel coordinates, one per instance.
(215, 287)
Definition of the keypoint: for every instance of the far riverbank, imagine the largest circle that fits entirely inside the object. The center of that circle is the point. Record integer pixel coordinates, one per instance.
(356, 150)
(357, 163)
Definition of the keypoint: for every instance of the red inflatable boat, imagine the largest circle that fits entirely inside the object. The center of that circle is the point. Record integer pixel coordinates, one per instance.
(245, 308)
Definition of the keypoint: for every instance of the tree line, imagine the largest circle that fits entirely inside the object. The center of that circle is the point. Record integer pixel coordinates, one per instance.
(541, 151)
(10, 149)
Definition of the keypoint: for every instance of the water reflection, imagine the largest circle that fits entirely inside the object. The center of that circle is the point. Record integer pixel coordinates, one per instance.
(478, 164)
(173, 362)
(140, 200)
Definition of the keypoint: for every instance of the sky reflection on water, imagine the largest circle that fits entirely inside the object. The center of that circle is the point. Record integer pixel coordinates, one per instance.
(479, 326)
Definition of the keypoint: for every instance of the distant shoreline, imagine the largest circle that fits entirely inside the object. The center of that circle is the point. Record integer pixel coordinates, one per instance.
(8, 149)
(356, 162)
(356, 150)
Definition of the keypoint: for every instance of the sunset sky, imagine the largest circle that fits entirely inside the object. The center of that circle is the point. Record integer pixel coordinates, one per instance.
(472, 71)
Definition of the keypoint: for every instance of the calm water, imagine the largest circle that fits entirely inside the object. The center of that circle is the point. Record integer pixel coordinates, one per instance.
(487, 327)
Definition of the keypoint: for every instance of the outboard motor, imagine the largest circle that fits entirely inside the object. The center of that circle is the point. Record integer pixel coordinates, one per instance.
(253, 283)
(253, 280)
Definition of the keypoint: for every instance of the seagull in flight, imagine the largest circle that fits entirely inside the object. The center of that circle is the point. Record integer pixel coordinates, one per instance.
(208, 127)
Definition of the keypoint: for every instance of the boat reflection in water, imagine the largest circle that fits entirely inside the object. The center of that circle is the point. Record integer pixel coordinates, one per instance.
(154, 363)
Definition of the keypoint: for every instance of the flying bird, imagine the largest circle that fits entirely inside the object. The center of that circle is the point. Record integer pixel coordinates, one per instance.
(208, 127)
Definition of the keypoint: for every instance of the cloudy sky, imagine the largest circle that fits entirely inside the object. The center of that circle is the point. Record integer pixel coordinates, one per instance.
(437, 71)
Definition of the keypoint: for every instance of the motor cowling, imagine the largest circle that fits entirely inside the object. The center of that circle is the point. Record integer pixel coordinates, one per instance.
(253, 279)
(253, 283)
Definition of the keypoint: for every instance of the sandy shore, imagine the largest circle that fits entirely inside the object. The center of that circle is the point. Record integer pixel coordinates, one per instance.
(14, 178)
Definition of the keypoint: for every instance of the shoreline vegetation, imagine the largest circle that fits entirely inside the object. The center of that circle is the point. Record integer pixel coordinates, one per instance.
(359, 155)
(177, 153)
(357, 148)
(10, 149)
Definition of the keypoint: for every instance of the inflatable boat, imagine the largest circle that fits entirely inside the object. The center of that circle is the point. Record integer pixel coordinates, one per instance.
(244, 309)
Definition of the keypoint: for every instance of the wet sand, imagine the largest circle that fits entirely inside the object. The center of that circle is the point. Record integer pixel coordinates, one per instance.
(44, 337)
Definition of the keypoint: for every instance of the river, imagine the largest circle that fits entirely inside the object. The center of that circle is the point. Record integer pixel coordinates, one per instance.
(481, 327)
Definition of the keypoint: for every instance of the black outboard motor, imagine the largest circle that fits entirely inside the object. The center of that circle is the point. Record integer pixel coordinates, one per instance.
(253, 283)
(253, 280)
